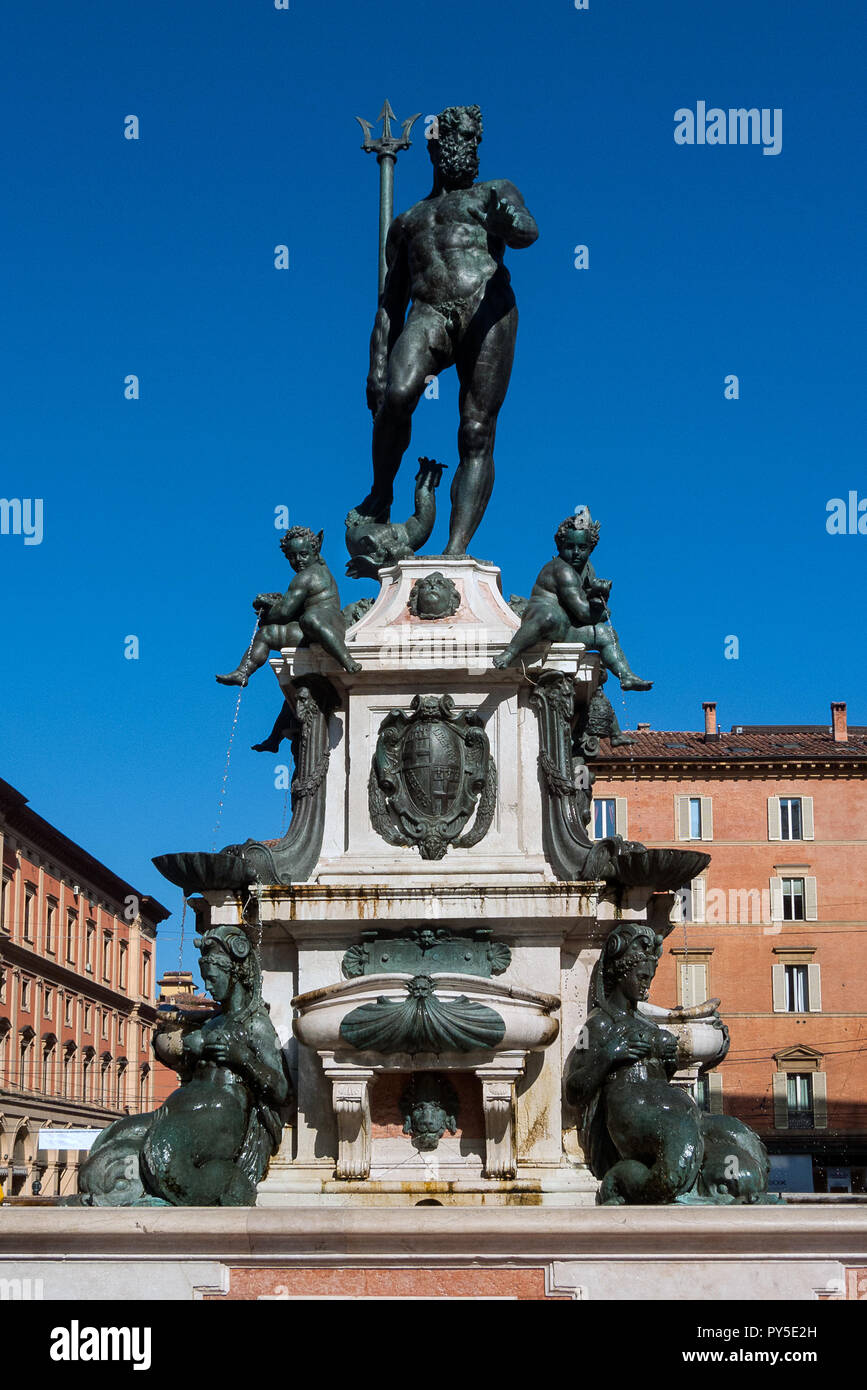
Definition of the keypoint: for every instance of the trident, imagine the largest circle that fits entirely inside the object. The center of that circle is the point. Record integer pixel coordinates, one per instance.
(386, 150)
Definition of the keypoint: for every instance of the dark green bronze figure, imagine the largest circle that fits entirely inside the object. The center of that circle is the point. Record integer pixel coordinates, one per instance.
(429, 1104)
(309, 611)
(374, 545)
(644, 1138)
(444, 261)
(210, 1143)
(570, 604)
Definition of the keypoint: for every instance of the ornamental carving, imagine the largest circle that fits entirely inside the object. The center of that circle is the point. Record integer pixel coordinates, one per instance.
(431, 770)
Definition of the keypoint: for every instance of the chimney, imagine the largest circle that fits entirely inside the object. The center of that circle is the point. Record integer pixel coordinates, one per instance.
(710, 727)
(838, 721)
(642, 728)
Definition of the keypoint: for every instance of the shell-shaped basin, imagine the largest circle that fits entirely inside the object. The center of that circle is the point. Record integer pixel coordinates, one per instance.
(527, 1015)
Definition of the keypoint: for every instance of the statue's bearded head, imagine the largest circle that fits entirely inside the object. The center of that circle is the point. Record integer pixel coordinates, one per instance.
(454, 143)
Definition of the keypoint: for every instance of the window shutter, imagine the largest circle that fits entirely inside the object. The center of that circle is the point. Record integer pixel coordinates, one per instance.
(621, 820)
(699, 899)
(781, 1100)
(814, 989)
(820, 1100)
(807, 832)
(775, 831)
(778, 988)
(681, 816)
(811, 900)
(776, 900)
(707, 818)
(715, 1092)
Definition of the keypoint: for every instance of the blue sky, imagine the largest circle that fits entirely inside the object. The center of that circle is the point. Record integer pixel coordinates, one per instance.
(156, 257)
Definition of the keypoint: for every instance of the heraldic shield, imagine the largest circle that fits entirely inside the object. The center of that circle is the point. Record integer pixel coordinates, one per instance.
(432, 768)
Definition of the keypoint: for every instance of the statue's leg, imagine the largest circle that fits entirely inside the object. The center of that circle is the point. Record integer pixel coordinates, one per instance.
(267, 640)
(422, 350)
(538, 625)
(614, 657)
(484, 366)
(328, 628)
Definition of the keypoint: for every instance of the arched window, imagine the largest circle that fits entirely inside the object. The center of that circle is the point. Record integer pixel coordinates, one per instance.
(143, 1088)
(67, 1080)
(105, 1063)
(49, 1051)
(25, 1049)
(6, 1078)
(86, 1073)
(120, 1095)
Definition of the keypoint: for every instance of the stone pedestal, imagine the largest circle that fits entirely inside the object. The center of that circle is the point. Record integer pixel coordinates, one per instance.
(494, 881)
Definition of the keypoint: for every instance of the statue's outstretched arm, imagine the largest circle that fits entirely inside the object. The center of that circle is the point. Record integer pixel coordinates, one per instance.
(509, 217)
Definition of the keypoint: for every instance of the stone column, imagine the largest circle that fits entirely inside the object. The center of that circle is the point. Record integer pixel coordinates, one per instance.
(351, 1101)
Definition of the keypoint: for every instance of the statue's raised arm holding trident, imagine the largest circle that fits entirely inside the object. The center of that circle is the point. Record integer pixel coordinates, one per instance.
(444, 263)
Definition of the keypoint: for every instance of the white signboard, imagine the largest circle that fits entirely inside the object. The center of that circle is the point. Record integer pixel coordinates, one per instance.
(67, 1138)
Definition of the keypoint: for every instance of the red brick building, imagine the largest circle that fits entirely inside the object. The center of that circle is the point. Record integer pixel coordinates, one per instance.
(776, 928)
(77, 1009)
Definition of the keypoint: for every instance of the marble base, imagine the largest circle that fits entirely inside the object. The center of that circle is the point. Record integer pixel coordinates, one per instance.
(511, 1252)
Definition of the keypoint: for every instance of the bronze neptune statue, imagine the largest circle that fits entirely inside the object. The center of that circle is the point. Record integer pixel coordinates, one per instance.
(445, 264)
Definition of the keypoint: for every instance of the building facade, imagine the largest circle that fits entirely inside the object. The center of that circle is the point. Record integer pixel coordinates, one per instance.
(77, 1006)
(776, 927)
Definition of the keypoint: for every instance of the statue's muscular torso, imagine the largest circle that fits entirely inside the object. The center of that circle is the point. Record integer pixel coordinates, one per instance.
(451, 256)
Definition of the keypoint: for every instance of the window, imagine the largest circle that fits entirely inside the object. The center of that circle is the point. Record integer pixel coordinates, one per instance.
(122, 963)
(604, 818)
(50, 926)
(85, 1074)
(48, 1001)
(790, 818)
(24, 1060)
(693, 816)
(6, 905)
(799, 1098)
(146, 974)
(67, 1010)
(796, 989)
(25, 994)
(105, 1023)
(87, 1018)
(797, 983)
(71, 931)
(103, 1080)
(47, 1067)
(106, 956)
(88, 948)
(2, 984)
(609, 817)
(701, 1092)
(68, 1070)
(29, 912)
(121, 1030)
(793, 900)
